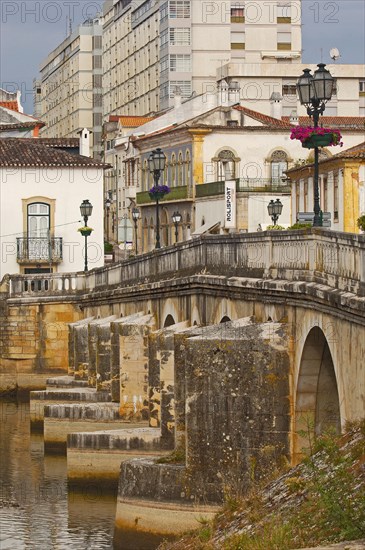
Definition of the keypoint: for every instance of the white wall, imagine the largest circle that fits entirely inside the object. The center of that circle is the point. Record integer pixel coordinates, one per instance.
(68, 187)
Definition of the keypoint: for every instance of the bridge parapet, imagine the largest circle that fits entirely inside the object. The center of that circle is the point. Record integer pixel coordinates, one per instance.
(314, 255)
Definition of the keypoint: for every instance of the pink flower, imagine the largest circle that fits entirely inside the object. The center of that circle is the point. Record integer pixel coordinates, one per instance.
(303, 133)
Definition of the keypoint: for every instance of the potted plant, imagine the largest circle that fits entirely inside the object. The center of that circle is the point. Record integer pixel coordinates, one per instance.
(316, 137)
(85, 231)
(157, 192)
(361, 222)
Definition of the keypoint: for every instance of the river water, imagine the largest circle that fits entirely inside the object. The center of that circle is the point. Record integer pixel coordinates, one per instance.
(37, 510)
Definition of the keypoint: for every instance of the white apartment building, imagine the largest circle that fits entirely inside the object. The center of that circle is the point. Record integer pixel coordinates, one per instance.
(152, 47)
(70, 86)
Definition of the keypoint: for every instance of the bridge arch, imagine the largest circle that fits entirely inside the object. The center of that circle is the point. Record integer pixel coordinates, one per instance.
(170, 314)
(317, 404)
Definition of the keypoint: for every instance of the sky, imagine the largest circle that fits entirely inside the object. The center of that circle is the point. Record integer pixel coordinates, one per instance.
(30, 29)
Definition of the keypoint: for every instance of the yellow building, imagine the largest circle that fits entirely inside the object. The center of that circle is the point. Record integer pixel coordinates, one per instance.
(341, 188)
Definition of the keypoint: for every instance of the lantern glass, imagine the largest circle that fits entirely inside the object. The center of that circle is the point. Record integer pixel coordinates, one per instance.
(278, 207)
(156, 161)
(323, 83)
(305, 87)
(86, 208)
(176, 217)
(136, 214)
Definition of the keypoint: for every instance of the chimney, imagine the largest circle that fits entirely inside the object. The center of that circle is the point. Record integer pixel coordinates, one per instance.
(276, 106)
(234, 91)
(223, 93)
(294, 119)
(84, 146)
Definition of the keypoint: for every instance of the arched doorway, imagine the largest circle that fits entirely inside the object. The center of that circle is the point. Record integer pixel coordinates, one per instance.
(317, 408)
(169, 321)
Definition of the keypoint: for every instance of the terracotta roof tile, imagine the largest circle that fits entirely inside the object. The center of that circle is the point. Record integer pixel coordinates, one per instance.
(265, 119)
(131, 121)
(28, 152)
(343, 122)
(12, 105)
(356, 152)
(71, 143)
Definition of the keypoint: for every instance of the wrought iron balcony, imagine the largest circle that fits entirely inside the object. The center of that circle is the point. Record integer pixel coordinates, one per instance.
(253, 185)
(39, 249)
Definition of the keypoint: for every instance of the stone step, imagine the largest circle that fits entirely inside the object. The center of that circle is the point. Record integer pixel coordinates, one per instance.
(65, 382)
(62, 419)
(38, 400)
(96, 457)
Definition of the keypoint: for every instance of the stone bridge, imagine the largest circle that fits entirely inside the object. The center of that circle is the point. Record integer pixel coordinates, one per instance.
(225, 343)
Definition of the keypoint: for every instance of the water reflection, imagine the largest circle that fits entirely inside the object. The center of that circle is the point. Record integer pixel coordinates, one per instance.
(37, 512)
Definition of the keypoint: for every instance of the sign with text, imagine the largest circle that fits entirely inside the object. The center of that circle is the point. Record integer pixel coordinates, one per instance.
(230, 204)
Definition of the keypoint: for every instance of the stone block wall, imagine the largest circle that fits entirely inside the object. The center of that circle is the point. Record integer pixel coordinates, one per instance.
(237, 406)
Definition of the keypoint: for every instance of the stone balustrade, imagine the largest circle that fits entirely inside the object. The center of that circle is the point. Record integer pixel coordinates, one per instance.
(314, 255)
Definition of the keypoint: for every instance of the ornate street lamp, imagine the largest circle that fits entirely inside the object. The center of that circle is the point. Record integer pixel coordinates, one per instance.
(86, 209)
(136, 215)
(108, 204)
(176, 218)
(274, 209)
(156, 165)
(314, 91)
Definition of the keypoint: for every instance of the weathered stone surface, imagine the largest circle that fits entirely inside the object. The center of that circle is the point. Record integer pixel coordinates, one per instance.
(237, 405)
(161, 381)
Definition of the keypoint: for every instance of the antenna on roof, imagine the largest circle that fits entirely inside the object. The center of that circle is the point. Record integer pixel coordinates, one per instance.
(334, 54)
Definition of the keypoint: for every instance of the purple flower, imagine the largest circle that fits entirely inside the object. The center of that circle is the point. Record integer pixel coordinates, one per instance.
(159, 189)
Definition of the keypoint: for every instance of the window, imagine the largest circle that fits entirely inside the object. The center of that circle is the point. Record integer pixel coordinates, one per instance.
(180, 62)
(179, 8)
(180, 170)
(38, 226)
(164, 63)
(187, 168)
(325, 194)
(180, 36)
(362, 87)
(284, 41)
(237, 14)
(289, 89)
(183, 85)
(226, 165)
(283, 13)
(173, 170)
(164, 11)
(164, 38)
(238, 41)
(279, 164)
(305, 195)
(335, 197)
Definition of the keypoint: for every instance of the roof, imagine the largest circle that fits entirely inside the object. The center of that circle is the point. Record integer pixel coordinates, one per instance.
(28, 152)
(343, 122)
(357, 152)
(264, 119)
(72, 143)
(14, 119)
(11, 105)
(130, 121)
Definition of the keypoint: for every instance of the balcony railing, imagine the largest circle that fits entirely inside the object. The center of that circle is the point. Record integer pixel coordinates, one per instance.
(39, 249)
(176, 193)
(257, 185)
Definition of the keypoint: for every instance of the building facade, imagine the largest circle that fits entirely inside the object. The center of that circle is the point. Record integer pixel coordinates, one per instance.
(70, 86)
(42, 188)
(341, 188)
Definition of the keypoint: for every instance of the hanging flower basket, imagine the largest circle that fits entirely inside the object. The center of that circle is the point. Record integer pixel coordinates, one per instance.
(316, 137)
(85, 231)
(157, 192)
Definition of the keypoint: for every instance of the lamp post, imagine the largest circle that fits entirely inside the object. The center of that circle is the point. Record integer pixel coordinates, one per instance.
(108, 204)
(274, 209)
(136, 215)
(156, 165)
(314, 91)
(86, 209)
(176, 218)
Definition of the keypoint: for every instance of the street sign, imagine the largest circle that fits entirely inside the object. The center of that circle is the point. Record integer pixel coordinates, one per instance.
(305, 217)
